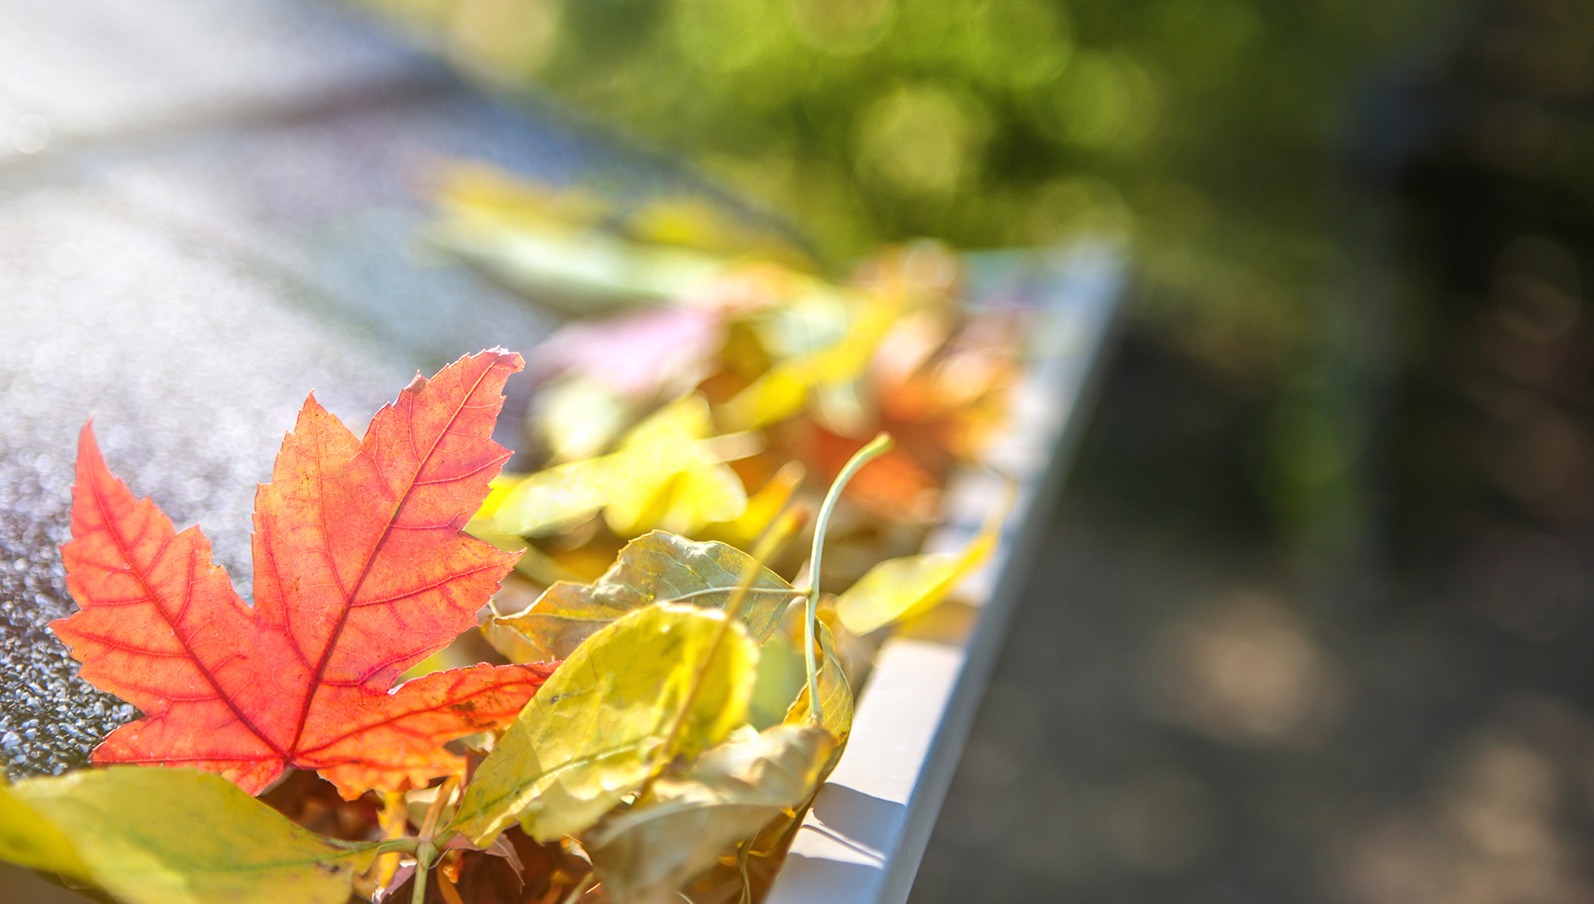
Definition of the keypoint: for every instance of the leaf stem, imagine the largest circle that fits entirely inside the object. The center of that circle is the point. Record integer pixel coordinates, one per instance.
(743, 850)
(423, 858)
(385, 846)
(445, 793)
(428, 845)
(878, 446)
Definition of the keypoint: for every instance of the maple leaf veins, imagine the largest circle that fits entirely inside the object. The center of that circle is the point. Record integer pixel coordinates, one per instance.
(361, 571)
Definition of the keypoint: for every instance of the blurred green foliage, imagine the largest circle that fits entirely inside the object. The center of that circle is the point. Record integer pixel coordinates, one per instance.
(1207, 135)
(1199, 129)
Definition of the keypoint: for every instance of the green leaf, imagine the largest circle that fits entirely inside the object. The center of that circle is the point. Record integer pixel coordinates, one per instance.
(898, 589)
(661, 682)
(683, 825)
(781, 674)
(835, 694)
(170, 836)
(656, 567)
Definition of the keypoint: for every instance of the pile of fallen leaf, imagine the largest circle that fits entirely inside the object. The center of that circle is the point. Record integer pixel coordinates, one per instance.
(682, 597)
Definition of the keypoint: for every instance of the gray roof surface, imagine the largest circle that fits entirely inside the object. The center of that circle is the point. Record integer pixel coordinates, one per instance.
(208, 209)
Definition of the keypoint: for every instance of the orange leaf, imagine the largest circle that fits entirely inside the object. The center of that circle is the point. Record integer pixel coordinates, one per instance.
(361, 570)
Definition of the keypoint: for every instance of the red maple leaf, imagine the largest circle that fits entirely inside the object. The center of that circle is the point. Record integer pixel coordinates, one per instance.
(361, 571)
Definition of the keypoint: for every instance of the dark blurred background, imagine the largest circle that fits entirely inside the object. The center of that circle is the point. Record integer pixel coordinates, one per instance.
(1315, 622)
(1315, 617)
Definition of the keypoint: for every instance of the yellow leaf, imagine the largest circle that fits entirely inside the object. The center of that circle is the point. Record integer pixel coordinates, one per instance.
(393, 820)
(578, 418)
(170, 836)
(670, 477)
(27, 838)
(683, 825)
(497, 491)
(781, 674)
(835, 694)
(661, 682)
(656, 567)
(548, 245)
(773, 397)
(695, 223)
(898, 589)
(783, 390)
(664, 474)
(555, 499)
(493, 193)
(763, 507)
